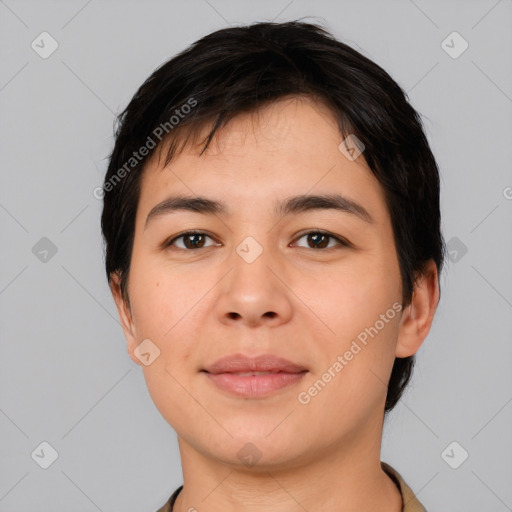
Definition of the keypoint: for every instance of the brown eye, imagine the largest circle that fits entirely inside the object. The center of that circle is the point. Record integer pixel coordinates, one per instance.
(190, 240)
(193, 241)
(320, 240)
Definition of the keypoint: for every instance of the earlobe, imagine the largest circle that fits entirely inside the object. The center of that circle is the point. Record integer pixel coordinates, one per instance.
(125, 315)
(417, 318)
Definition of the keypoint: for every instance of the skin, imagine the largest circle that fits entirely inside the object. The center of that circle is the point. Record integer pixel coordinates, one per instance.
(323, 455)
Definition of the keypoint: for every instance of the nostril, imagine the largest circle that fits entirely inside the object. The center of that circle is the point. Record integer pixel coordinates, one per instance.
(233, 315)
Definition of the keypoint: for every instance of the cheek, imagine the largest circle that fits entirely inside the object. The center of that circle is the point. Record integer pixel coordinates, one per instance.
(161, 297)
(360, 309)
(164, 308)
(351, 382)
(170, 308)
(352, 299)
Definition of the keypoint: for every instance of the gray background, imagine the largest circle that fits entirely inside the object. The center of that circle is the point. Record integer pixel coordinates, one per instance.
(65, 375)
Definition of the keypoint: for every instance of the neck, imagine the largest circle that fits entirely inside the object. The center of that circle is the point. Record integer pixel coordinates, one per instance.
(345, 477)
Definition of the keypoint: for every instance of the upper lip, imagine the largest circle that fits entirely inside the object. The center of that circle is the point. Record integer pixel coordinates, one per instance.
(264, 363)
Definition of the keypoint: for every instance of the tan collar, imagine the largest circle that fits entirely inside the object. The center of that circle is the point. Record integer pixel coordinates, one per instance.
(410, 502)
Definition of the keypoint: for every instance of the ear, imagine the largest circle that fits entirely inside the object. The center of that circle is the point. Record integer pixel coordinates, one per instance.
(125, 315)
(418, 316)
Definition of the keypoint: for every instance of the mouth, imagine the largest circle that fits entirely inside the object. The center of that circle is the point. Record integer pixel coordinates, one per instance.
(253, 377)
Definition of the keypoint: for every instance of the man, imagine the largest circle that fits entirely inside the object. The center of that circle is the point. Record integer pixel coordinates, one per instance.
(273, 246)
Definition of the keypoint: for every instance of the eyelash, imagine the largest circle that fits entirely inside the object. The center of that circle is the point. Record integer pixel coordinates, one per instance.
(341, 242)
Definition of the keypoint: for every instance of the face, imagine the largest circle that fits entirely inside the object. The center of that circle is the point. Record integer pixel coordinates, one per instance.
(317, 286)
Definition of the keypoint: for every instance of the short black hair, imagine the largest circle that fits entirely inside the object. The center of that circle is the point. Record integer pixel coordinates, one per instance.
(241, 69)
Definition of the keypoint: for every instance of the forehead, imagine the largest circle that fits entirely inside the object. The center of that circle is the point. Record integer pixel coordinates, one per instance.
(290, 147)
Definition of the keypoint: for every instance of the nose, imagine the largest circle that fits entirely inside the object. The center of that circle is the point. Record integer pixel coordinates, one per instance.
(255, 293)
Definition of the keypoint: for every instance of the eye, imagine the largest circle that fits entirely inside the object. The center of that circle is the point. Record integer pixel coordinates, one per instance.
(191, 240)
(320, 240)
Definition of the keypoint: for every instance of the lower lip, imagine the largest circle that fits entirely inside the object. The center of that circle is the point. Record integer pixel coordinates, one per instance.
(254, 386)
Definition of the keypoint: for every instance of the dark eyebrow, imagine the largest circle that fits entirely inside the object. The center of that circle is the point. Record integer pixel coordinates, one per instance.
(299, 204)
(292, 205)
(193, 204)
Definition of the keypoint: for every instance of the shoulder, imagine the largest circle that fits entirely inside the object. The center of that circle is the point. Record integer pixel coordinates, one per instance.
(167, 507)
